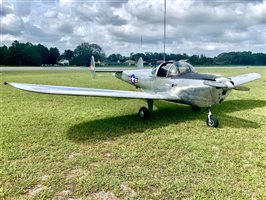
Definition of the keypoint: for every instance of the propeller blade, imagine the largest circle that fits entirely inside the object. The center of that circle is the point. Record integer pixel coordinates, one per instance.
(215, 84)
(241, 88)
(225, 86)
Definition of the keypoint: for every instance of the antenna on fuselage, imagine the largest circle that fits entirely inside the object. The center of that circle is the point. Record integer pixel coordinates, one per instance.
(164, 29)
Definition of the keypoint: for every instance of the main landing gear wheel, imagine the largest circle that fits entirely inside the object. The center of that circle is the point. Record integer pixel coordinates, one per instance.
(144, 113)
(212, 121)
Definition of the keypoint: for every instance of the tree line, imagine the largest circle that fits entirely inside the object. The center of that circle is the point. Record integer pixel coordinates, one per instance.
(28, 54)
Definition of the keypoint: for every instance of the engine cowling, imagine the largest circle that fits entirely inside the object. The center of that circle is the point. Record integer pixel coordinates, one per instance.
(229, 84)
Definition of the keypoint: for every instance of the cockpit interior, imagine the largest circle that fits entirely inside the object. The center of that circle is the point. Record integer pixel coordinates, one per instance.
(173, 69)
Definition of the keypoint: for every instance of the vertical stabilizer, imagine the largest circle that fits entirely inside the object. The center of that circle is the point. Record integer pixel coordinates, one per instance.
(140, 63)
(92, 67)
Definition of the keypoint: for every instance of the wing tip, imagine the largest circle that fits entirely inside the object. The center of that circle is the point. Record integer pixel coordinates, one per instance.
(5, 83)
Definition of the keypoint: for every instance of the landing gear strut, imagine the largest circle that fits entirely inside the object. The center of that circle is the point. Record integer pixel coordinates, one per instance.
(144, 113)
(212, 121)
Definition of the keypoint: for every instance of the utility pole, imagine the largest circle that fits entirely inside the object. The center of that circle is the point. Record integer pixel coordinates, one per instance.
(164, 28)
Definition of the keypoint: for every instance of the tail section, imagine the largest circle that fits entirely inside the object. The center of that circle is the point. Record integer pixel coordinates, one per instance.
(92, 67)
(140, 63)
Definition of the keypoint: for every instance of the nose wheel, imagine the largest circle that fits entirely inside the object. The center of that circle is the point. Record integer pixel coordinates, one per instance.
(212, 121)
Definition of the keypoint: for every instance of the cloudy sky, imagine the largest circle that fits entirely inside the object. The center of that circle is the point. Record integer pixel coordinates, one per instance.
(206, 27)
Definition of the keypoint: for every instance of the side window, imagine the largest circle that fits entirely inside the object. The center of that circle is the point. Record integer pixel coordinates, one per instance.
(153, 71)
(184, 69)
(173, 71)
(163, 70)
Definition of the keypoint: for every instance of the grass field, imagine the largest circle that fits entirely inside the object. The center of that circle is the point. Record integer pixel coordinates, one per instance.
(60, 147)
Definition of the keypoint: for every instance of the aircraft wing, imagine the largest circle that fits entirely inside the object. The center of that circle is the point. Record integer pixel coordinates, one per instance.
(245, 78)
(77, 91)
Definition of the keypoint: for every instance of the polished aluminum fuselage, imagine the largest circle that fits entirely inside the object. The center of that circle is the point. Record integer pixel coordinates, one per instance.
(183, 90)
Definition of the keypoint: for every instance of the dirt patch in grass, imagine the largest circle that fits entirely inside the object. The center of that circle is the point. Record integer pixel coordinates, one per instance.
(108, 155)
(45, 177)
(36, 190)
(104, 196)
(73, 155)
(75, 173)
(64, 194)
(128, 190)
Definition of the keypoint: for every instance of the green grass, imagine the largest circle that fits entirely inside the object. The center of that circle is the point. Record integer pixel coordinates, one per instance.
(79, 147)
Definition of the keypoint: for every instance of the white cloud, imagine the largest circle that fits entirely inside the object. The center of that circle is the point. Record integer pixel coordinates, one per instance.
(193, 27)
(8, 39)
(11, 24)
(50, 14)
(22, 8)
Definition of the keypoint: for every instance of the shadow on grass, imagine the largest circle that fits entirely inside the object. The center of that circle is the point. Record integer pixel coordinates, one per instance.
(112, 127)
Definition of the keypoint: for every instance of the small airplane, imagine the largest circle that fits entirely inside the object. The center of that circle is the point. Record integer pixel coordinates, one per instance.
(171, 81)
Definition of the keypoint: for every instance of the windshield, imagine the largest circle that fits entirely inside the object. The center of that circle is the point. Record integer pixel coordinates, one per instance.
(174, 69)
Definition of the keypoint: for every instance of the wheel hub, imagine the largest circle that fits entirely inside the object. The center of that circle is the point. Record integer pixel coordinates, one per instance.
(211, 122)
(141, 114)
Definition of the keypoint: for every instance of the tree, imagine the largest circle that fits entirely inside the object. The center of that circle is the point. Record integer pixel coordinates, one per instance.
(260, 58)
(16, 52)
(53, 56)
(97, 52)
(4, 55)
(68, 55)
(116, 58)
(84, 51)
(31, 56)
(136, 56)
(194, 60)
(44, 52)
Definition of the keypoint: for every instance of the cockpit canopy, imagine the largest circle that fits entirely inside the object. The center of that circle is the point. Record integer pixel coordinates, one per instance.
(173, 69)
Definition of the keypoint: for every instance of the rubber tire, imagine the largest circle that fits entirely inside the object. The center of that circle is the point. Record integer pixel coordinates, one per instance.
(144, 113)
(213, 121)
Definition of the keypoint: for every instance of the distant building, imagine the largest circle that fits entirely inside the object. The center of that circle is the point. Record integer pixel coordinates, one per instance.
(64, 62)
(98, 62)
(130, 62)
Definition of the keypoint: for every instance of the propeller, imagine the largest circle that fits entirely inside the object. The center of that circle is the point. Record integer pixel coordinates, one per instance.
(225, 83)
(215, 84)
